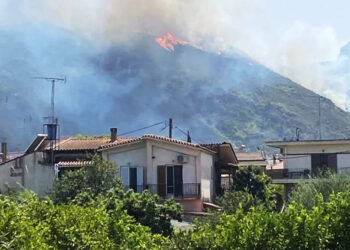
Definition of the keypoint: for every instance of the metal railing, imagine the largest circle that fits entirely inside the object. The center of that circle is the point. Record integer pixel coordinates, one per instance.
(185, 190)
(289, 174)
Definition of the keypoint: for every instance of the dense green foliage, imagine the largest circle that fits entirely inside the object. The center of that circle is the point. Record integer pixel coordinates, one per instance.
(99, 182)
(305, 192)
(29, 223)
(326, 226)
(95, 179)
(251, 188)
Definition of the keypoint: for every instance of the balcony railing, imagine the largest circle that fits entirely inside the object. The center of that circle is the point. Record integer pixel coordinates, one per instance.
(288, 174)
(185, 190)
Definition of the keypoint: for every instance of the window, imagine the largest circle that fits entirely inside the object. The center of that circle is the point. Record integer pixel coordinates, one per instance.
(132, 178)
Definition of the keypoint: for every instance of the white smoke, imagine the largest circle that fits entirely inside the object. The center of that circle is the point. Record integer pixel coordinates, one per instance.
(248, 26)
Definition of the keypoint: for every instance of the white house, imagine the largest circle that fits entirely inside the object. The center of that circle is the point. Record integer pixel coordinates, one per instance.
(165, 166)
(307, 158)
(188, 172)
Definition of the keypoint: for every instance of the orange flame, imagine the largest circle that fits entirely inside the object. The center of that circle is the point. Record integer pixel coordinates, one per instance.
(168, 41)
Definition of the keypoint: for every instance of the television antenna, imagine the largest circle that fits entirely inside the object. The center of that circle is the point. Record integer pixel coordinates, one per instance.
(53, 80)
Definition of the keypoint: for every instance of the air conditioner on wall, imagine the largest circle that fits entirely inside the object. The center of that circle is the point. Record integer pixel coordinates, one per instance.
(182, 158)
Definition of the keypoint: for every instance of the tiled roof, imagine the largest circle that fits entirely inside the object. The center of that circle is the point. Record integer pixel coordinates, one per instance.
(250, 156)
(84, 144)
(74, 163)
(155, 137)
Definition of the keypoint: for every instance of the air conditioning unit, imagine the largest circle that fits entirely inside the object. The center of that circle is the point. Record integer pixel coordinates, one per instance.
(182, 158)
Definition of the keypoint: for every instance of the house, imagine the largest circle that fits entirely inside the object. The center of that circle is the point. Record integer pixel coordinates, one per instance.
(307, 158)
(188, 172)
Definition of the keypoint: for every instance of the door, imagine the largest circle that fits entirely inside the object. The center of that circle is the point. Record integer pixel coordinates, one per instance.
(161, 187)
(133, 179)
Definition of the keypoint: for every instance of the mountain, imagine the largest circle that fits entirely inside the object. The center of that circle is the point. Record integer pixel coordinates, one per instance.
(131, 85)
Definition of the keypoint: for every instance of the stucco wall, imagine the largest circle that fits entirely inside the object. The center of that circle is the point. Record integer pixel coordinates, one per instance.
(37, 177)
(298, 162)
(207, 181)
(151, 154)
(164, 156)
(7, 180)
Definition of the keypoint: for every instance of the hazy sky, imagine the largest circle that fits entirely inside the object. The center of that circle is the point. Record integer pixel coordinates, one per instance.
(314, 12)
(291, 37)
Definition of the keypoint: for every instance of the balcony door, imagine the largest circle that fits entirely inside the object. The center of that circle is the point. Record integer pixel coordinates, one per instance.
(321, 162)
(170, 181)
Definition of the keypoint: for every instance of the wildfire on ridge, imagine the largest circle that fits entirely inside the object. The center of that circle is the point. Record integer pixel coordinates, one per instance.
(168, 41)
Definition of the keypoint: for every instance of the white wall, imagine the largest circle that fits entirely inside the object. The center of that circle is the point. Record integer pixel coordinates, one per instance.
(164, 156)
(7, 180)
(151, 154)
(134, 157)
(37, 177)
(317, 149)
(298, 163)
(207, 180)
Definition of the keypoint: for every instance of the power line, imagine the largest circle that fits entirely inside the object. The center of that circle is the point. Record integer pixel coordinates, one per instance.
(185, 133)
(143, 128)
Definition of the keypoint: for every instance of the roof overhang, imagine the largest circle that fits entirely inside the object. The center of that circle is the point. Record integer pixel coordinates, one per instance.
(282, 144)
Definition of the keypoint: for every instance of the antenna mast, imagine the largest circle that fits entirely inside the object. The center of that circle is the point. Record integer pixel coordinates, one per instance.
(53, 80)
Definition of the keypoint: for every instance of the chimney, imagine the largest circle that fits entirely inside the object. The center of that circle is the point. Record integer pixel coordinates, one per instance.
(113, 134)
(4, 151)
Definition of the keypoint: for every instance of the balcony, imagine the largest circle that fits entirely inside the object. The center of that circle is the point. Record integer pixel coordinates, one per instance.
(180, 191)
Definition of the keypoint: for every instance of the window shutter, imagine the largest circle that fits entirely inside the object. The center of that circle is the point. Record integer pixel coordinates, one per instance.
(139, 179)
(124, 174)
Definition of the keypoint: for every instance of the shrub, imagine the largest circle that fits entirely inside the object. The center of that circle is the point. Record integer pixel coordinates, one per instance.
(34, 224)
(326, 226)
(305, 192)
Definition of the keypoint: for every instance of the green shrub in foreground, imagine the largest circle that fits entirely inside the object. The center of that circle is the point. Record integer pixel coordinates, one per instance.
(35, 224)
(326, 226)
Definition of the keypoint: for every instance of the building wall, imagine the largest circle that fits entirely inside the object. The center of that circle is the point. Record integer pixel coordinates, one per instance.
(298, 162)
(36, 177)
(164, 156)
(207, 179)
(316, 149)
(151, 154)
(8, 181)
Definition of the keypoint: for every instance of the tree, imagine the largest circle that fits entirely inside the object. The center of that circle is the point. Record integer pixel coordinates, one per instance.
(98, 184)
(96, 179)
(306, 191)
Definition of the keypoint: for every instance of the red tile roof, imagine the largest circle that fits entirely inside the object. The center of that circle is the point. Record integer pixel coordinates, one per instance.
(71, 143)
(155, 137)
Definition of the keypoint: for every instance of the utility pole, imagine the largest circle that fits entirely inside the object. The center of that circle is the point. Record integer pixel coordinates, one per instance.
(170, 128)
(319, 113)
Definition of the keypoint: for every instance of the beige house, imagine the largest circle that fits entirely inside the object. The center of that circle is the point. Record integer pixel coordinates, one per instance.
(304, 159)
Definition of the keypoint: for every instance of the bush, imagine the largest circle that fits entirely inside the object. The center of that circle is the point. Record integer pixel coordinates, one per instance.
(326, 226)
(98, 183)
(305, 192)
(251, 188)
(96, 179)
(35, 224)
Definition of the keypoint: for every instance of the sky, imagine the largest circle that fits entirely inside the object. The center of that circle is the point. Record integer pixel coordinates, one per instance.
(291, 37)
